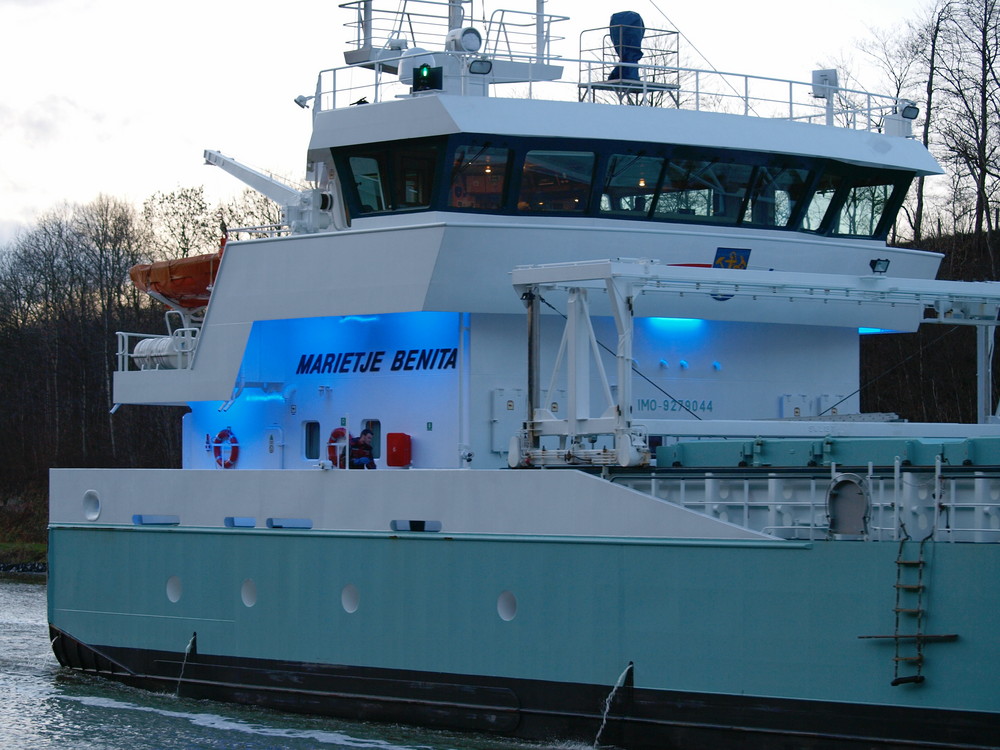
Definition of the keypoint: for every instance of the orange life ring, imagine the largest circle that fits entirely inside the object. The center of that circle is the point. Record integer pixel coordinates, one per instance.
(339, 434)
(225, 442)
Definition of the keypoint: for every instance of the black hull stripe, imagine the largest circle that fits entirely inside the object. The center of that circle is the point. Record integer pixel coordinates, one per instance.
(640, 719)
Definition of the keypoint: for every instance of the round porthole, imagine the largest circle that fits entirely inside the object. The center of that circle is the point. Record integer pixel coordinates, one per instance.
(507, 606)
(174, 589)
(248, 592)
(91, 505)
(350, 599)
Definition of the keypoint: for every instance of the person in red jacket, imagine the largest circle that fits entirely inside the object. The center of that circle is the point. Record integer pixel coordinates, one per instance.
(361, 451)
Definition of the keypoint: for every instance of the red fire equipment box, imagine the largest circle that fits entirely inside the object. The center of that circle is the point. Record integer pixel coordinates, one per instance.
(397, 448)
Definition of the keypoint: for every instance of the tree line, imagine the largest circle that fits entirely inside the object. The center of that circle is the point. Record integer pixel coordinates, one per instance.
(65, 288)
(946, 60)
(64, 293)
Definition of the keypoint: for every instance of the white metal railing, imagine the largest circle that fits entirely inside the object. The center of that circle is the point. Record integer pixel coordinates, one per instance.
(514, 34)
(694, 89)
(425, 23)
(386, 37)
(422, 23)
(933, 502)
(262, 231)
(173, 352)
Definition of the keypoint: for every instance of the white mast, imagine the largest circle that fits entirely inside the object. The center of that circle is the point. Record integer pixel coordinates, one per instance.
(456, 15)
(540, 30)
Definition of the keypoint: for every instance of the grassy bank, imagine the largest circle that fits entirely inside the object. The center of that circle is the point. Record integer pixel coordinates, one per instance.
(23, 520)
(17, 553)
(24, 516)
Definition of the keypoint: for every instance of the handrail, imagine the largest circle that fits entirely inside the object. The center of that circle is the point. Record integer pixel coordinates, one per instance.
(179, 354)
(751, 506)
(687, 88)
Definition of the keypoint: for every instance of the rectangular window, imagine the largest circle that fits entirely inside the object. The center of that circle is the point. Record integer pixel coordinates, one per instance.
(414, 170)
(708, 190)
(394, 176)
(775, 194)
(369, 179)
(478, 178)
(863, 208)
(820, 202)
(311, 440)
(629, 184)
(556, 181)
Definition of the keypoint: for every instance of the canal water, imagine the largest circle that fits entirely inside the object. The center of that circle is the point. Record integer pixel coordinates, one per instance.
(45, 706)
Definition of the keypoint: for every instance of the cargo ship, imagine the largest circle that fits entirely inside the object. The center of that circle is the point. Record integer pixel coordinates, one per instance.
(595, 325)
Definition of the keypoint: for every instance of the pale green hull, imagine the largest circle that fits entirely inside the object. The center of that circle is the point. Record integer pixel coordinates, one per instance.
(770, 619)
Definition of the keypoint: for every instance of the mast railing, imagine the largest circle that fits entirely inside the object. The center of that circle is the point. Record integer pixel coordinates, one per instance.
(411, 32)
(675, 88)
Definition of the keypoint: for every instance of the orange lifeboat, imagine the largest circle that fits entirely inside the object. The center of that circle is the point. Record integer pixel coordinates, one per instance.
(184, 282)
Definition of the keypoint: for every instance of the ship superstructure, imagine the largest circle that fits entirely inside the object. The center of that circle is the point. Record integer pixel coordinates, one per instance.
(604, 336)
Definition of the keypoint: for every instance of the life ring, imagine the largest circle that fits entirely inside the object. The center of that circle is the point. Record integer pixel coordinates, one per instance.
(339, 435)
(226, 442)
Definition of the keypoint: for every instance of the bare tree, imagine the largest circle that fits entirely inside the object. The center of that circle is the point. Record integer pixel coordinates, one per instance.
(927, 32)
(970, 132)
(250, 209)
(111, 239)
(181, 223)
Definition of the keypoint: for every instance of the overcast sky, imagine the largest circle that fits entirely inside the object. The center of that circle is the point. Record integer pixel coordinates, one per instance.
(122, 96)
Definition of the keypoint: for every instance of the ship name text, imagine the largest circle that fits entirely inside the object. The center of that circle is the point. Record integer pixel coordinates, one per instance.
(377, 361)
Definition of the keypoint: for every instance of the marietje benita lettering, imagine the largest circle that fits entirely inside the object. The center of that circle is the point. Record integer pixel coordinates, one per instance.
(380, 361)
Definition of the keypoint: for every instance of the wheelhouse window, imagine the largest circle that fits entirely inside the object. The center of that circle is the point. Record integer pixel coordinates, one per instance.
(775, 196)
(369, 180)
(820, 202)
(629, 184)
(395, 176)
(707, 190)
(478, 177)
(414, 176)
(622, 180)
(864, 204)
(556, 181)
(856, 202)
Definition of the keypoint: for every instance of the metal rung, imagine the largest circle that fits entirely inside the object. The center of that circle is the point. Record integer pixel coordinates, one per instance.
(914, 679)
(911, 563)
(910, 586)
(916, 637)
(910, 659)
(904, 611)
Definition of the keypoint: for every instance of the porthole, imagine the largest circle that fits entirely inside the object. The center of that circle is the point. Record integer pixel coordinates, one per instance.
(248, 592)
(174, 589)
(350, 599)
(507, 606)
(91, 505)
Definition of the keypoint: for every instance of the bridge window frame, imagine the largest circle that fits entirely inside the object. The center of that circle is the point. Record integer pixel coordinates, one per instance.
(741, 188)
(407, 176)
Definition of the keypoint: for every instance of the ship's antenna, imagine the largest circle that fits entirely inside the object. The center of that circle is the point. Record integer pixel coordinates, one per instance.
(688, 41)
(695, 48)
